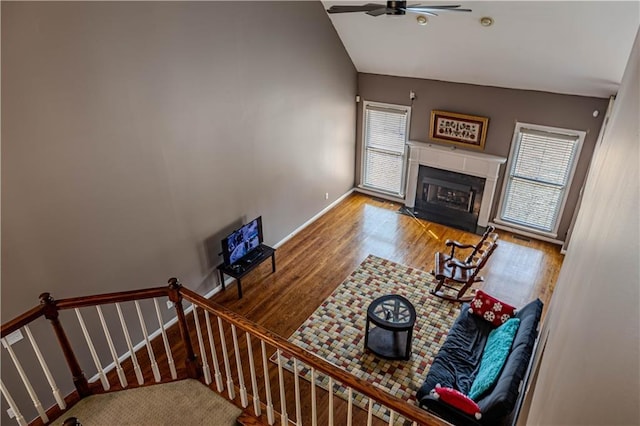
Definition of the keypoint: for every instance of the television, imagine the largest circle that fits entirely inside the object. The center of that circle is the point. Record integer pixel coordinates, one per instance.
(241, 242)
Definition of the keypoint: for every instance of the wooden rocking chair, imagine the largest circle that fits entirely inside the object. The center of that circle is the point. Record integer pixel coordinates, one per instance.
(458, 274)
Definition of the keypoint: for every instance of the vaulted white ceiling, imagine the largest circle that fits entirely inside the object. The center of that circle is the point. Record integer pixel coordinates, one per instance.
(573, 47)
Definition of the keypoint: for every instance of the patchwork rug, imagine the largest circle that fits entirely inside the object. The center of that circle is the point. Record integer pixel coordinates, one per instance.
(335, 331)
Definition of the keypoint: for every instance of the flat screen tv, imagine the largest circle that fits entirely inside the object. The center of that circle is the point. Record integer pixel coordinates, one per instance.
(242, 241)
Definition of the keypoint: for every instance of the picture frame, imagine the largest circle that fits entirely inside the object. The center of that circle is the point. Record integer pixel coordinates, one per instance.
(469, 131)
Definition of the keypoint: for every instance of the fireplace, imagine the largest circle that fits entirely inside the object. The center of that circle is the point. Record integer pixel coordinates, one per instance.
(449, 198)
(455, 187)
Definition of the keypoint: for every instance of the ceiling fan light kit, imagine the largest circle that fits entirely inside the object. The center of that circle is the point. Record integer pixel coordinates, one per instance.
(422, 20)
(397, 8)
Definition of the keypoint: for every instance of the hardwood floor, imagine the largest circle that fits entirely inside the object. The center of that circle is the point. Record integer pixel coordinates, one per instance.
(321, 256)
(316, 260)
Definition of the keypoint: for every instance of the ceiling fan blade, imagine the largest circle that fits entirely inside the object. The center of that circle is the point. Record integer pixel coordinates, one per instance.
(364, 8)
(420, 11)
(378, 12)
(450, 8)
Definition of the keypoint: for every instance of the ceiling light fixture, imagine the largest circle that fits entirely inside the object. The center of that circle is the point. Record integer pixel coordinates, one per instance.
(486, 21)
(422, 20)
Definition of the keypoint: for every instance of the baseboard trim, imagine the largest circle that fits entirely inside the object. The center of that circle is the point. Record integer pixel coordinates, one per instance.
(313, 219)
(379, 195)
(526, 234)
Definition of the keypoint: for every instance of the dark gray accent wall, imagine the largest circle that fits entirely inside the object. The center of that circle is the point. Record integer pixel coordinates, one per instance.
(132, 133)
(136, 134)
(503, 107)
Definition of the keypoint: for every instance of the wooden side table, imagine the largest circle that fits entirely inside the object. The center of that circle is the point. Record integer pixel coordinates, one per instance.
(393, 317)
(246, 265)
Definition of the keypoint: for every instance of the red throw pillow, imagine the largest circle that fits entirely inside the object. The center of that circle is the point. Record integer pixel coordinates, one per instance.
(491, 309)
(458, 400)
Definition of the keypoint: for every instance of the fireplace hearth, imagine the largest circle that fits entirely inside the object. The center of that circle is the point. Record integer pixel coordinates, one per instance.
(449, 198)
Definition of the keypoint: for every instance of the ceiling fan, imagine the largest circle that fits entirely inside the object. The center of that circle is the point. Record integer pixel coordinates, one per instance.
(396, 8)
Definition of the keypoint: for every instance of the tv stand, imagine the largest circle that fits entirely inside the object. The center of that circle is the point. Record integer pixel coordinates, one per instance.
(247, 264)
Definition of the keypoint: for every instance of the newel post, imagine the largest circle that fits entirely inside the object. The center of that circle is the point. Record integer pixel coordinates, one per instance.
(194, 369)
(50, 311)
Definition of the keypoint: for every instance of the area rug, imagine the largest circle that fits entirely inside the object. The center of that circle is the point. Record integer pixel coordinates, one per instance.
(335, 331)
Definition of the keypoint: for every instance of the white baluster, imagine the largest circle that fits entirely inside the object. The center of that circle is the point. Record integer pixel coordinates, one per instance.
(414, 424)
(225, 358)
(203, 354)
(26, 382)
(330, 401)
(391, 415)
(121, 376)
(370, 412)
(134, 358)
(92, 349)
(283, 402)
(243, 389)
(350, 407)
(152, 356)
(296, 384)
(267, 384)
(254, 380)
(314, 408)
(12, 405)
(45, 368)
(165, 340)
(214, 355)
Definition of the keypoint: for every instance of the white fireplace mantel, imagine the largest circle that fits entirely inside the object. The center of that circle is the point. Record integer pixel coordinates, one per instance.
(455, 160)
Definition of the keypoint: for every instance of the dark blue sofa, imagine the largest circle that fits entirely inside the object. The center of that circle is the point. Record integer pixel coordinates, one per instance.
(457, 362)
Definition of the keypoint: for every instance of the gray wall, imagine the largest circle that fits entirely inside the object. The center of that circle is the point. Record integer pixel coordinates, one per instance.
(134, 132)
(135, 135)
(503, 107)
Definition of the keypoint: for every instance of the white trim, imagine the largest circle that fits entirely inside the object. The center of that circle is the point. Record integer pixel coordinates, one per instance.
(405, 155)
(505, 181)
(313, 219)
(520, 231)
(365, 190)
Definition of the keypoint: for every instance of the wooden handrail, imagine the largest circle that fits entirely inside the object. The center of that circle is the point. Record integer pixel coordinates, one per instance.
(398, 405)
(49, 308)
(117, 297)
(21, 320)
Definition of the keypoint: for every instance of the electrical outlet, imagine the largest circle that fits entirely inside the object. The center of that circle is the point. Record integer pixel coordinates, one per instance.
(326, 195)
(169, 304)
(12, 338)
(11, 413)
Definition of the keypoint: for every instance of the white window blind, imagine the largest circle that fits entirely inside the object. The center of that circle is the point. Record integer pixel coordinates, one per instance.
(541, 165)
(385, 137)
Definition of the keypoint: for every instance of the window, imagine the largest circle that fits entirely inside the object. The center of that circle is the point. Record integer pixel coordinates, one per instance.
(384, 147)
(541, 165)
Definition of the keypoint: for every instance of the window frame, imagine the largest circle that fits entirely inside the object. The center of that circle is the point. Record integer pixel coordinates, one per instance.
(580, 136)
(363, 155)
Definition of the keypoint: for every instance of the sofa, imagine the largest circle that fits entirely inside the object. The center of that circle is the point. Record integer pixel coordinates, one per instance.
(457, 362)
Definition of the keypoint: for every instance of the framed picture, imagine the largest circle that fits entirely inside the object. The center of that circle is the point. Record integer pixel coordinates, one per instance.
(465, 130)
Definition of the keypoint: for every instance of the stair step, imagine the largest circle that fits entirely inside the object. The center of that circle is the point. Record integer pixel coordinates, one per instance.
(248, 419)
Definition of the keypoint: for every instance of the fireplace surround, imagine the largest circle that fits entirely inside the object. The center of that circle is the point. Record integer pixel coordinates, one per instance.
(458, 182)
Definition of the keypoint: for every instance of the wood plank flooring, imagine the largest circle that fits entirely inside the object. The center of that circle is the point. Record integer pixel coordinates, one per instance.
(321, 256)
(316, 260)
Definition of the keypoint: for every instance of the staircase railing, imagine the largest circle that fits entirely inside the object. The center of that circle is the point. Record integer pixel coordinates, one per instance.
(231, 365)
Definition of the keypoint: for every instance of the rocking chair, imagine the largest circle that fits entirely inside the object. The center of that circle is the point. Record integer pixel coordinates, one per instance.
(458, 274)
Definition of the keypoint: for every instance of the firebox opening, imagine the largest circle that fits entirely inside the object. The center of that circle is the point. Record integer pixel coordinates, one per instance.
(449, 198)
